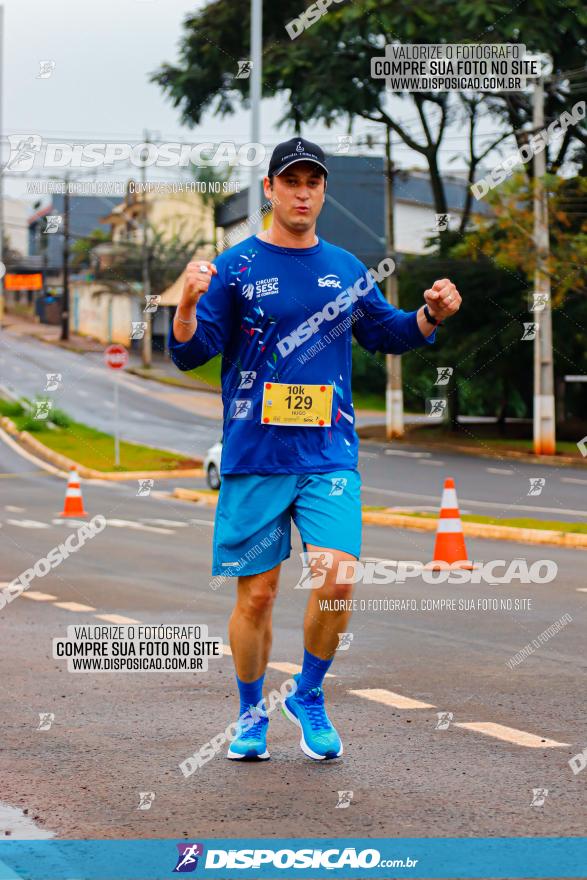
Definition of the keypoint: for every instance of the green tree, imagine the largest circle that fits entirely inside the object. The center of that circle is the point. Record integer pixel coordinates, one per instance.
(81, 249)
(488, 326)
(325, 74)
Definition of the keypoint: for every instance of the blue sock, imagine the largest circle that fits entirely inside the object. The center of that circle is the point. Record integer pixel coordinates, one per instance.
(313, 671)
(250, 692)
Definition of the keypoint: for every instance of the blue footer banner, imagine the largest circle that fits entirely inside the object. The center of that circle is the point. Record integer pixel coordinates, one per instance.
(503, 857)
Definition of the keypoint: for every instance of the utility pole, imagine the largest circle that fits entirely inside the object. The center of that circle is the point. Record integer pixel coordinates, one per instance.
(65, 297)
(394, 395)
(544, 411)
(147, 346)
(254, 199)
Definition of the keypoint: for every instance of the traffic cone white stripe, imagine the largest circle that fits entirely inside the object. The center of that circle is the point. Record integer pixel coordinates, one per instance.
(449, 498)
(450, 525)
(73, 492)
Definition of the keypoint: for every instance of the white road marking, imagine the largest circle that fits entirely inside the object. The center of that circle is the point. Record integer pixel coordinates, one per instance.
(380, 559)
(377, 695)
(388, 698)
(408, 454)
(368, 454)
(581, 589)
(573, 480)
(433, 461)
(131, 524)
(72, 523)
(493, 470)
(291, 668)
(499, 505)
(511, 735)
(203, 522)
(116, 618)
(175, 523)
(11, 509)
(28, 524)
(73, 606)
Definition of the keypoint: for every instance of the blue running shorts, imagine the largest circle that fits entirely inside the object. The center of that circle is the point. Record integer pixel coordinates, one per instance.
(252, 529)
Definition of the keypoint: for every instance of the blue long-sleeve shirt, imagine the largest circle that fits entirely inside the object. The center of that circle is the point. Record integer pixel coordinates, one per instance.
(288, 315)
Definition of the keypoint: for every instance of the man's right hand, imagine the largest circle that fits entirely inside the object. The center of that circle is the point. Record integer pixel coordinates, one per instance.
(198, 275)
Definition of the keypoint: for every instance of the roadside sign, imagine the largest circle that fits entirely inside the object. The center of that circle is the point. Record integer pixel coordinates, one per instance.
(116, 357)
(31, 281)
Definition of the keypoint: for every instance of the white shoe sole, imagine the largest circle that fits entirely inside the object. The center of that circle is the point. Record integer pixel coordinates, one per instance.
(236, 756)
(303, 744)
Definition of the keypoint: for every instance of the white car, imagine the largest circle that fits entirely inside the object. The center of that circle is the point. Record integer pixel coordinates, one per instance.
(212, 465)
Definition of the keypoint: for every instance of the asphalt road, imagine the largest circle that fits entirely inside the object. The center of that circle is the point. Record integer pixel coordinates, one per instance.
(150, 412)
(115, 735)
(188, 422)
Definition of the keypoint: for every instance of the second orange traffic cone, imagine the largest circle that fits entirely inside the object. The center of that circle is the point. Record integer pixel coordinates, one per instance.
(449, 546)
(74, 504)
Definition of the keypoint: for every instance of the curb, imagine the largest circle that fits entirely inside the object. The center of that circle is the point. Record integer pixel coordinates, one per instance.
(64, 463)
(439, 448)
(427, 524)
(480, 530)
(194, 495)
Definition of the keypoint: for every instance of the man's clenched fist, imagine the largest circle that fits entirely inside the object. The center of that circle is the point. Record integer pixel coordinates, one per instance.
(443, 299)
(198, 275)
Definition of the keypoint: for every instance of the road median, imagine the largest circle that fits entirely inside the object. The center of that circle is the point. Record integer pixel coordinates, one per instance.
(63, 462)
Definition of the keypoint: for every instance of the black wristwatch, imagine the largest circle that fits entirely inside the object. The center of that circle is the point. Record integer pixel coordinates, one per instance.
(429, 317)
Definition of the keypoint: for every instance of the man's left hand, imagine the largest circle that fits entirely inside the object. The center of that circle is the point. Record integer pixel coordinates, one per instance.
(443, 299)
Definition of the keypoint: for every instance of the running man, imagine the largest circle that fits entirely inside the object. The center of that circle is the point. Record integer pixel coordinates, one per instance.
(282, 307)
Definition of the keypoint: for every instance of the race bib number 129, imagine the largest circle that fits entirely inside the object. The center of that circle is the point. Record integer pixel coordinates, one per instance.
(307, 406)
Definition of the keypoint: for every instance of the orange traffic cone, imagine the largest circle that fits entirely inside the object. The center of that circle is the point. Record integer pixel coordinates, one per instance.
(449, 546)
(74, 505)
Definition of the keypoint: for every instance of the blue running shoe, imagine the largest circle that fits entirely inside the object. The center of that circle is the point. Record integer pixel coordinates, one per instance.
(250, 742)
(320, 740)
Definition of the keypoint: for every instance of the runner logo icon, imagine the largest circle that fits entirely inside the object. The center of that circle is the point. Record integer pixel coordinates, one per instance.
(247, 378)
(187, 859)
(242, 408)
(338, 485)
(316, 564)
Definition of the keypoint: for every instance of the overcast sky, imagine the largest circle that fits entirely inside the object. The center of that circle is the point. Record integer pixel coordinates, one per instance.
(99, 90)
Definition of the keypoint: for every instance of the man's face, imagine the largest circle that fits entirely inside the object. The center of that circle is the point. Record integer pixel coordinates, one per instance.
(298, 195)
